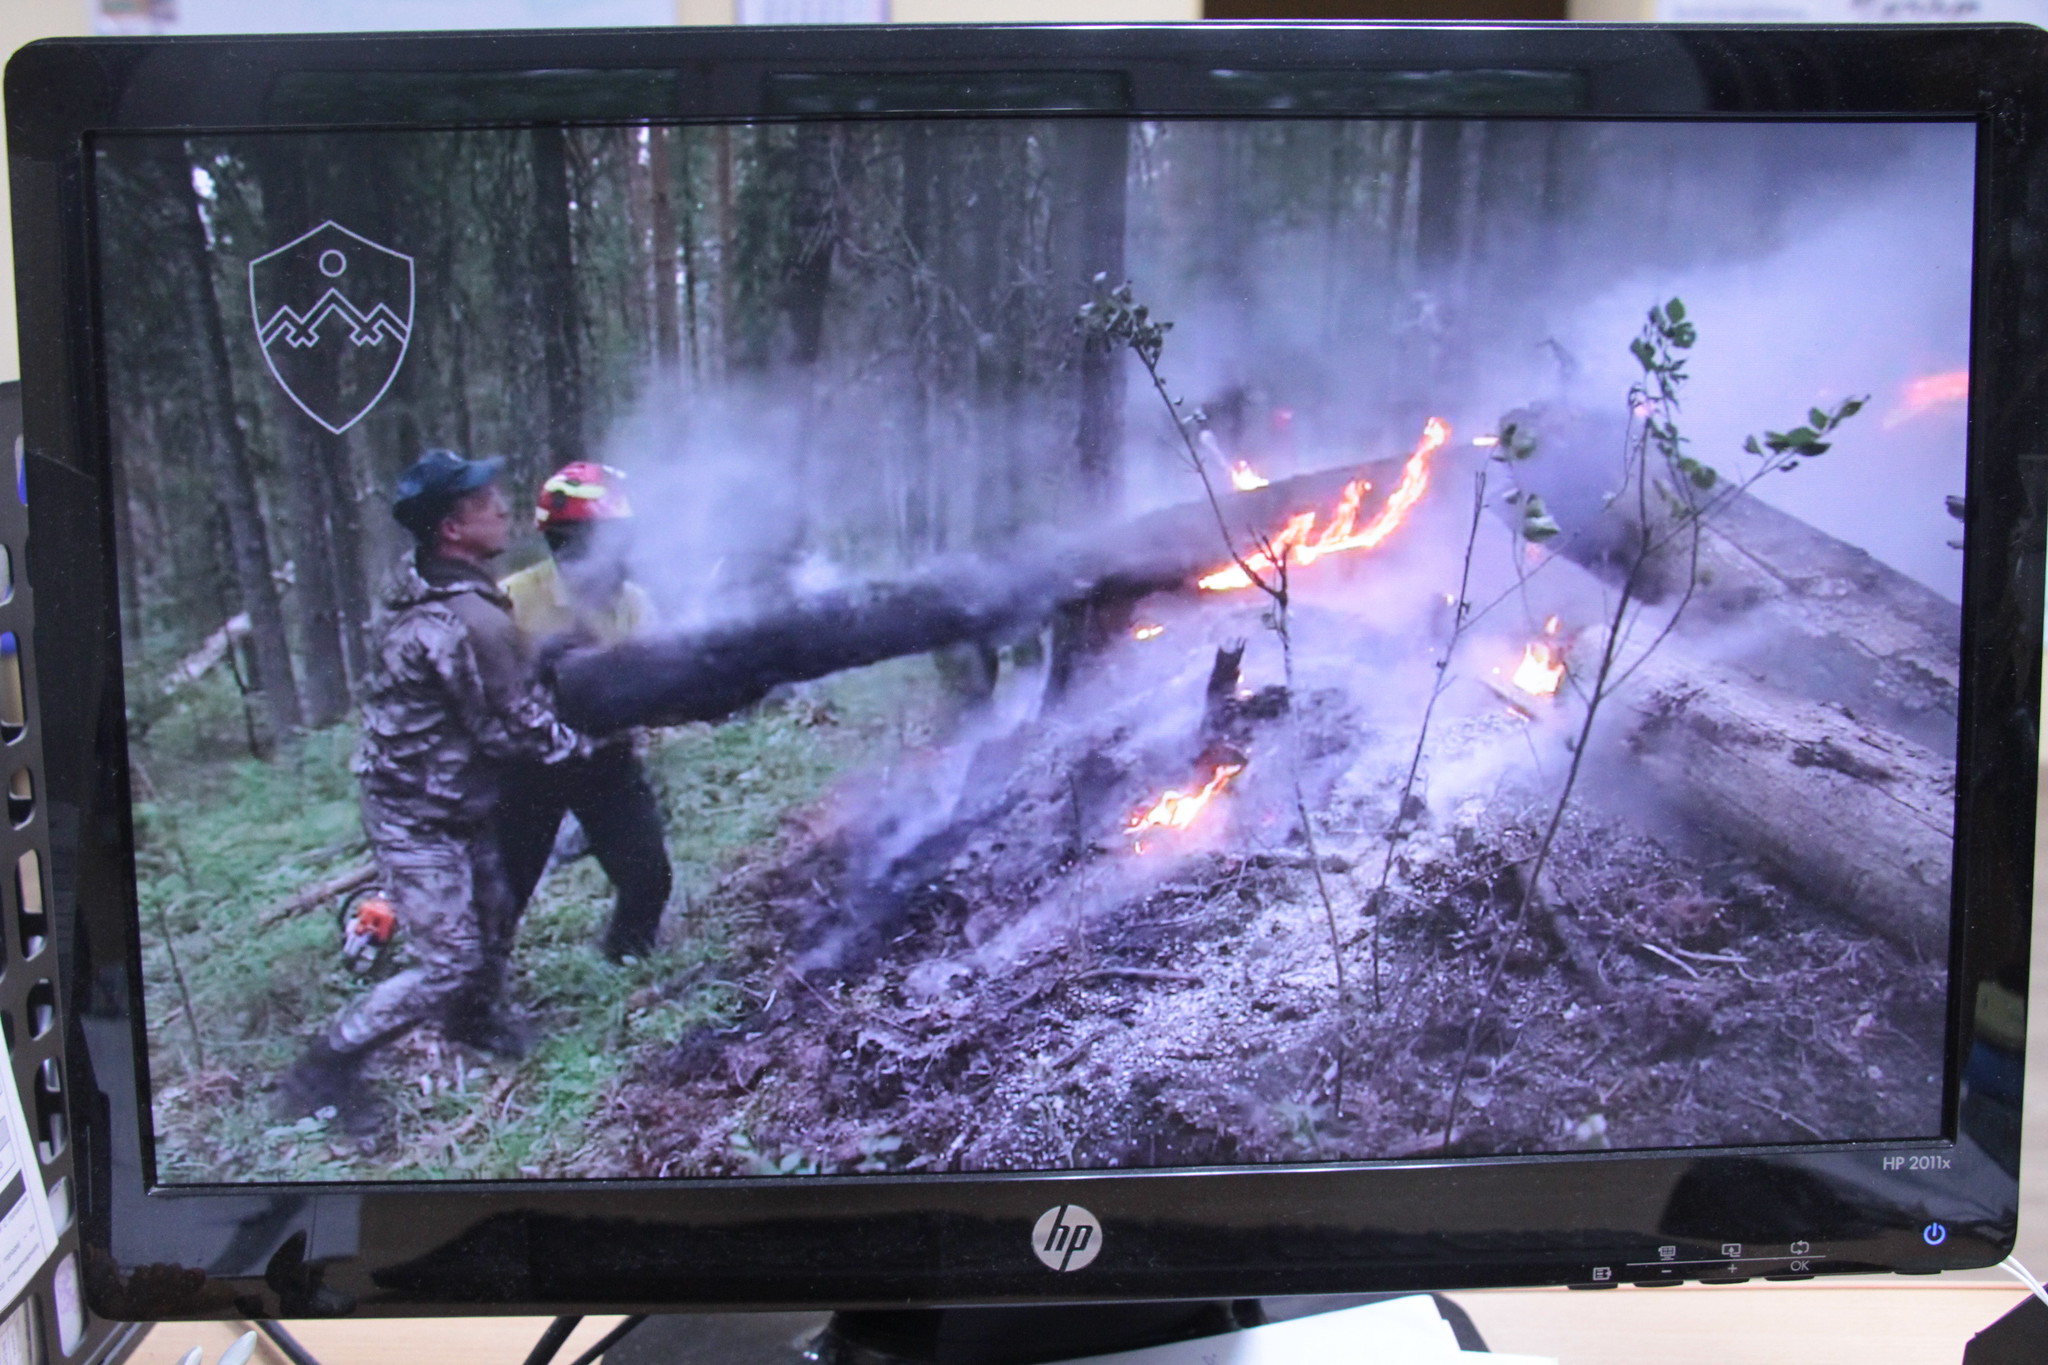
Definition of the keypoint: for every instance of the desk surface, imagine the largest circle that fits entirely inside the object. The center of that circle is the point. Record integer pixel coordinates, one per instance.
(1863, 1322)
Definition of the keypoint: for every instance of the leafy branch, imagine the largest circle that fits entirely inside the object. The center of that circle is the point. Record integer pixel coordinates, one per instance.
(1688, 493)
(1111, 318)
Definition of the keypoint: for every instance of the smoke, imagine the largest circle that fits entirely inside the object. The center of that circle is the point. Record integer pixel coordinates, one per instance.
(1869, 291)
(1819, 262)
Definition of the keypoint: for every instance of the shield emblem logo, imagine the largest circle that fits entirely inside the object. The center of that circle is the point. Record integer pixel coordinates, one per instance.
(333, 313)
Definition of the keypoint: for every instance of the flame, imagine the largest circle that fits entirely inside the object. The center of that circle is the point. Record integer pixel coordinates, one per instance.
(1486, 440)
(1929, 391)
(1176, 809)
(1244, 478)
(1147, 632)
(1541, 669)
(1300, 542)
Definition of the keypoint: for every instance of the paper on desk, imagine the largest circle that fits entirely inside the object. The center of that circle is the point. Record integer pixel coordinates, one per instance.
(1404, 1331)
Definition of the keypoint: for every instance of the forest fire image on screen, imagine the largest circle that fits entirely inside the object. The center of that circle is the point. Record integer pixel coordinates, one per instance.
(1043, 645)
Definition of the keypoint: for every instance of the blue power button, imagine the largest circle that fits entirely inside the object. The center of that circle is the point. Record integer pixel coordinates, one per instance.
(1934, 1234)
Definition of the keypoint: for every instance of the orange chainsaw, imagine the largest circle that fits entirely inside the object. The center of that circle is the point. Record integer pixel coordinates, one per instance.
(368, 926)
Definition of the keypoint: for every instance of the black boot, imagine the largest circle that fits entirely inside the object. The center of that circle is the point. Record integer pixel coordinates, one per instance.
(324, 1078)
(627, 946)
(493, 1030)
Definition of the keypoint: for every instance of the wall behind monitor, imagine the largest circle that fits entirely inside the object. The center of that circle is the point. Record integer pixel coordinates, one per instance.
(24, 21)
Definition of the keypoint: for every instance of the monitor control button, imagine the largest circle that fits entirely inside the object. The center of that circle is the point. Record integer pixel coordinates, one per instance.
(1934, 1234)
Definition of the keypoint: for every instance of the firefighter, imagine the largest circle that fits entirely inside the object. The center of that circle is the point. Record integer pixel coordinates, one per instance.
(579, 596)
(450, 704)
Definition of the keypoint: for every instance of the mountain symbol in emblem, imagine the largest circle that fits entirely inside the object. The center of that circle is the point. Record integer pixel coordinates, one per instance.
(333, 313)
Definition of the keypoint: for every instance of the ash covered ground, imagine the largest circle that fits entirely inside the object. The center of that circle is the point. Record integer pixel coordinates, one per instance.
(966, 959)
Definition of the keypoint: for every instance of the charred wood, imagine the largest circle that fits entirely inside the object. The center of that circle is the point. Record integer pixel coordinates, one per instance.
(1831, 623)
(709, 674)
(1086, 587)
(1222, 688)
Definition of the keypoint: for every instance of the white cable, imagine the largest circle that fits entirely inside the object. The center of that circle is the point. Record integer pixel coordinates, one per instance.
(2011, 1266)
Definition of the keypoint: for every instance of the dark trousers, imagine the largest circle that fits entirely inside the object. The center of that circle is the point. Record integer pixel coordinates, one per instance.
(614, 802)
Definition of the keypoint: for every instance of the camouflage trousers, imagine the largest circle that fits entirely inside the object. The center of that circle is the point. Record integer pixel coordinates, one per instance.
(455, 910)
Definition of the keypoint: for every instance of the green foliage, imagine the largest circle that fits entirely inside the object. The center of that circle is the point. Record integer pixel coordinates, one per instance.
(1304, 1122)
(1535, 525)
(1667, 332)
(225, 839)
(760, 1161)
(1516, 441)
(1804, 442)
(1114, 318)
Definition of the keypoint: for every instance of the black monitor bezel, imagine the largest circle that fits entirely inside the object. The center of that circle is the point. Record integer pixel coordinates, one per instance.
(891, 1240)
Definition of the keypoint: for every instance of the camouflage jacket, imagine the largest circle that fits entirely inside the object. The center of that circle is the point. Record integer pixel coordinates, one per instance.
(452, 699)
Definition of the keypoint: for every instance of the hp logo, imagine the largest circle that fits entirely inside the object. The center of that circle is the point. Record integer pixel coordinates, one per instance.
(1066, 1237)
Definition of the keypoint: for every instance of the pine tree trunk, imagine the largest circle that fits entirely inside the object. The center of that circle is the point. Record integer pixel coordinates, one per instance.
(661, 165)
(1104, 156)
(722, 150)
(343, 498)
(814, 224)
(325, 685)
(556, 295)
(235, 472)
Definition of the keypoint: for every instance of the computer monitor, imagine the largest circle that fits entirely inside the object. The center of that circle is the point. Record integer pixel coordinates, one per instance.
(1188, 662)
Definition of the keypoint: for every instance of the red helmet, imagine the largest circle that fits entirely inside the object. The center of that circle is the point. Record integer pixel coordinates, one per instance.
(579, 492)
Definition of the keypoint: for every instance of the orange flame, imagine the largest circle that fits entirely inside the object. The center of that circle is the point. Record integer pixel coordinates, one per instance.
(1929, 391)
(1147, 632)
(1244, 478)
(1301, 543)
(1176, 809)
(1541, 669)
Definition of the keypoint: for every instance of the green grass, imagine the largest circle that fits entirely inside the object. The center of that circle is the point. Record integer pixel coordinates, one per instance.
(223, 837)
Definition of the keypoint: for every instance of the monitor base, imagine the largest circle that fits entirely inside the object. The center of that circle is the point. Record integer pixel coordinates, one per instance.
(1036, 1335)
(1023, 1336)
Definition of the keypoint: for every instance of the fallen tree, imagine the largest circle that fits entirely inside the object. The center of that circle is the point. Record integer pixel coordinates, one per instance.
(710, 673)
(1784, 747)
(1819, 617)
(1815, 753)
(1856, 818)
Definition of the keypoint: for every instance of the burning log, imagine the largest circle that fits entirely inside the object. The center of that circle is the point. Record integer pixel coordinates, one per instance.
(1823, 619)
(1302, 542)
(1176, 809)
(1088, 586)
(1804, 711)
(1177, 546)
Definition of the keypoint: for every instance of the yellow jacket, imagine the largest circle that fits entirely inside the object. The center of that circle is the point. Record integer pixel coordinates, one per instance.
(542, 608)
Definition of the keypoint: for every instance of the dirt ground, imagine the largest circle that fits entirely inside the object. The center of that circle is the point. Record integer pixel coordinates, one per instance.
(1017, 991)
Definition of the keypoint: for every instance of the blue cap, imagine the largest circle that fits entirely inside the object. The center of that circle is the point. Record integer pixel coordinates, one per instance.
(432, 484)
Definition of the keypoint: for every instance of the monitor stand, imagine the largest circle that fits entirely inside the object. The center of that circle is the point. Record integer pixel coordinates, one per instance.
(969, 1336)
(1023, 1336)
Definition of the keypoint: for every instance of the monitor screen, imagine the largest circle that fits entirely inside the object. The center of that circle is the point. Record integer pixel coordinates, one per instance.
(840, 647)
